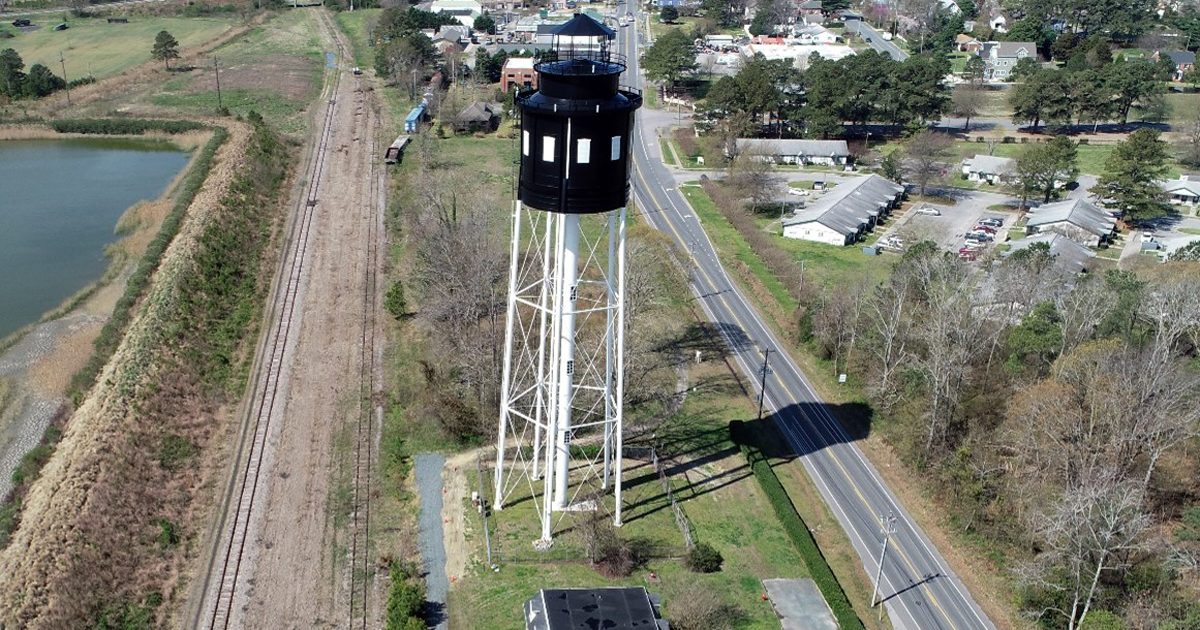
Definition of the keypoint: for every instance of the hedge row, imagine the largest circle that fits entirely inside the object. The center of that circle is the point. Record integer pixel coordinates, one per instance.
(114, 329)
(123, 126)
(794, 525)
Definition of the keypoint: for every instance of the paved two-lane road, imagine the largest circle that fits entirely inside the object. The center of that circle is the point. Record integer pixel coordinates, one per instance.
(920, 590)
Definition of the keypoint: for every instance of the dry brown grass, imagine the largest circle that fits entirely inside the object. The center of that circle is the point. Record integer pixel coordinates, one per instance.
(89, 527)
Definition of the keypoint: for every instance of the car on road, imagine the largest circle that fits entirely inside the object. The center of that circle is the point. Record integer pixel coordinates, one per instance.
(929, 210)
(992, 222)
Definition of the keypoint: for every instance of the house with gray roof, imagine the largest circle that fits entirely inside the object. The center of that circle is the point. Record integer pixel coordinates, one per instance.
(1078, 219)
(1182, 191)
(844, 214)
(988, 168)
(827, 152)
(1067, 253)
(1184, 61)
(1000, 58)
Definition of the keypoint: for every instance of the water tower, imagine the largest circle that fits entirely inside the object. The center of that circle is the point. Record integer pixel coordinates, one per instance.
(559, 435)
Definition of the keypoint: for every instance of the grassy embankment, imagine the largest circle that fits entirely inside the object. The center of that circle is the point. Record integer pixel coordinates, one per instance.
(114, 329)
(93, 46)
(260, 71)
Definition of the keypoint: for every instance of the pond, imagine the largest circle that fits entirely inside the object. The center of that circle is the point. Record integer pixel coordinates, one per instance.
(60, 201)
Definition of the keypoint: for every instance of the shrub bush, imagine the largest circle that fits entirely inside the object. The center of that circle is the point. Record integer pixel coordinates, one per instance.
(123, 126)
(797, 531)
(704, 559)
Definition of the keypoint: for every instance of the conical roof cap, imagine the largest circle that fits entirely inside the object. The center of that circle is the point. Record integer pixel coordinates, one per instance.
(584, 26)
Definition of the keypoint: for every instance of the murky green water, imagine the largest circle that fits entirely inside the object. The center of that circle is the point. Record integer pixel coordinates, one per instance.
(59, 204)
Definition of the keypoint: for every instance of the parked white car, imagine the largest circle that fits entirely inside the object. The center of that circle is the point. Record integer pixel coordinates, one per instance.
(930, 210)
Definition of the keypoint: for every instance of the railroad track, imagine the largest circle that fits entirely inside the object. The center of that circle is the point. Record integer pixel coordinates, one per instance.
(360, 556)
(225, 567)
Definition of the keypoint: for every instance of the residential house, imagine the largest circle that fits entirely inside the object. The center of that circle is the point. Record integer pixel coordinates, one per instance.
(811, 12)
(1183, 191)
(477, 116)
(966, 43)
(844, 214)
(573, 608)
(1078, 219)
(998, 23)
(1067, 253)
(518, 72)
(1184, 61)
(814, 34)
(824, 152)
(1000, 58)
(988, 168)
(465, 11)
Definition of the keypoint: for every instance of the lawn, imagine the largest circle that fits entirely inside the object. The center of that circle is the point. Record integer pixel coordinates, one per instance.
(356, 24)
(1091, 156)
(275, 69)
(724, 504)
(731, 244)
(95, 47)
(1184, 106)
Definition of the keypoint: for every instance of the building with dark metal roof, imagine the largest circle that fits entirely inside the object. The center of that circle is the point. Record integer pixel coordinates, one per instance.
(628, 608)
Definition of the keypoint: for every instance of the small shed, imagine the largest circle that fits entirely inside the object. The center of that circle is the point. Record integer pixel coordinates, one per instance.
(477, 116)
(396, 150)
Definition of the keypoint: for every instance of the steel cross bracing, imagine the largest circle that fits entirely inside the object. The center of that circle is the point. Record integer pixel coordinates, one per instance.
(563, 365)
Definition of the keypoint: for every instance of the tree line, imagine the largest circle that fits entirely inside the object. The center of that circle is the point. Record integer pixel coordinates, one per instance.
(15, 83)
(1052, 412)
(1091, 89)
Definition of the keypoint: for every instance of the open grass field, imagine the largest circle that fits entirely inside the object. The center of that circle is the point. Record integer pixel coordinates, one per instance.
(722, 501)
(275, 69)
(93, 46)
(357, 25)
(1184, 106)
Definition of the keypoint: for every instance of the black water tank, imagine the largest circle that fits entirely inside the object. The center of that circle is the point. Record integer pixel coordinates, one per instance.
(575, 129)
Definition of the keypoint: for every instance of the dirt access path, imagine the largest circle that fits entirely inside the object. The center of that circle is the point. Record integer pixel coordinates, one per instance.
(295, 569)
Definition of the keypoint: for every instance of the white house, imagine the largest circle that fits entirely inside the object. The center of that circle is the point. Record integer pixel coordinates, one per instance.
(1078, 219)
(1183, 191)
(845, 213)
(988, 168)
(825, 152)
(998, 24)
(465, 11)
(814, 34)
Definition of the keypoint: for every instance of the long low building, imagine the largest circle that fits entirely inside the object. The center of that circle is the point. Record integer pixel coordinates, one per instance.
(845, 213)
(826, 152)
(1070, 255)
(1078, 219)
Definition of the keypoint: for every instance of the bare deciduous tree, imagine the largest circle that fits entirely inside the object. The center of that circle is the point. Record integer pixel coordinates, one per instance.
(1088, 531)
(925, 155)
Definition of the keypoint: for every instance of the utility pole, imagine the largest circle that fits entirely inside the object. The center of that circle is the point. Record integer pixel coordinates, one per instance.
(217, 70)
(762, 394)
(888, 527)
(63, 61)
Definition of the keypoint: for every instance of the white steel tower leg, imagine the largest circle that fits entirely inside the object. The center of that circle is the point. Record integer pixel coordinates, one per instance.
(498, 497)
(568, 270)
(619, 403)
(552, 417)
(542, 393)
(609, 332)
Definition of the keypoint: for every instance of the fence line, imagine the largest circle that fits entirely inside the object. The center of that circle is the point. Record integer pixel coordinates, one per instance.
(681, 519)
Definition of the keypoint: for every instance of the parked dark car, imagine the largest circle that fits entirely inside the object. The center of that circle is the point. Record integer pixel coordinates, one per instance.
(19, 22)
(61, 27)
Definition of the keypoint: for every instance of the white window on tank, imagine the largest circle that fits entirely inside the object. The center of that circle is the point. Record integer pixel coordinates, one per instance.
(616, 148)
(583, 151)
(525, 143)
(547, 148)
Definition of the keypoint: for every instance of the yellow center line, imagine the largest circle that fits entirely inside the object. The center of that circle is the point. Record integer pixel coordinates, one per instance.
(733, 313)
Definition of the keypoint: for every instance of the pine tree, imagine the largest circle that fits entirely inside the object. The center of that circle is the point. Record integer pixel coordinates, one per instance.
(166, 48)
(1132, 171)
